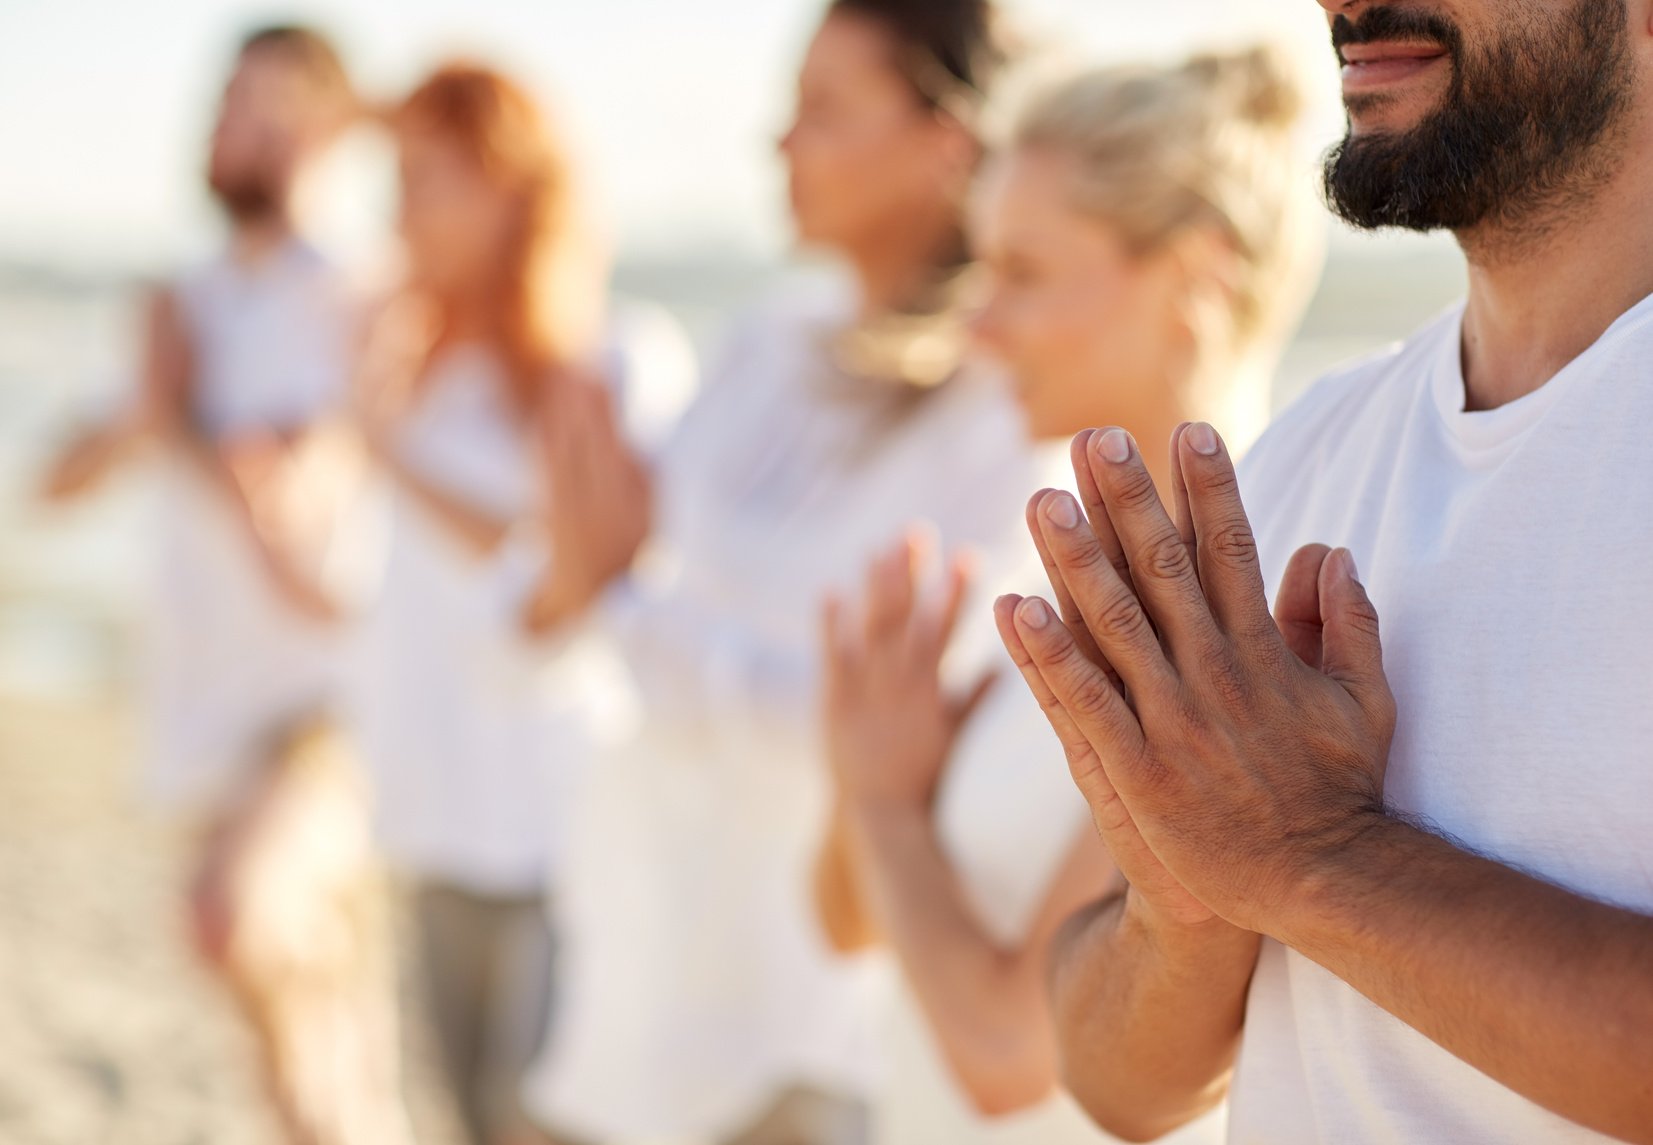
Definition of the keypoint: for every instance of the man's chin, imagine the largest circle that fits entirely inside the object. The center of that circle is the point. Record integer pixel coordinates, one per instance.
(1385, 115)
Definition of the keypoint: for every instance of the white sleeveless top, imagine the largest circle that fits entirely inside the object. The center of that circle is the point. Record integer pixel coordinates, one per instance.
(475, 735)
(229, 664)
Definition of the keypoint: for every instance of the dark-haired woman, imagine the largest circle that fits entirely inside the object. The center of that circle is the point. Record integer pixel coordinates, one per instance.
(702, 1001)
(501, 351)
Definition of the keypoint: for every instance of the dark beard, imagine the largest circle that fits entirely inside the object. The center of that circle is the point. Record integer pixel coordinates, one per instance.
(245, 200)
(1526, 130)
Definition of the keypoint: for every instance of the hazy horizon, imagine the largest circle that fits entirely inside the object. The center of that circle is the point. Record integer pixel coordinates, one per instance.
(104, 105)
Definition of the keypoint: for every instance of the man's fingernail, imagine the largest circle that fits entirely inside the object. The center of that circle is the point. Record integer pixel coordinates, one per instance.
(1115, 446)
(1063, 511)
(1034, 613)
(1348, 565)
(1203, 438)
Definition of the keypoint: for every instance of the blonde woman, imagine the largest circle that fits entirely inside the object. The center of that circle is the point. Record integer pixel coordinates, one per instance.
(1150, 250)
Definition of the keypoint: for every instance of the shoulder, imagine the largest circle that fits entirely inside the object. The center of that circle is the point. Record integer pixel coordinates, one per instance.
(1362, 395)
(794, 312)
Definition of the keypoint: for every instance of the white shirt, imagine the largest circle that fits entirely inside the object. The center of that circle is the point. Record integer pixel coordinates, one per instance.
(229, 664)
(475, 736)
(697, 982)
(1506, 552)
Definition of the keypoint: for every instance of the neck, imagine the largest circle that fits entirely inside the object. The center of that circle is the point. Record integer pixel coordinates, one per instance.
(1198, 391)
(895, 266)
(1534, 307)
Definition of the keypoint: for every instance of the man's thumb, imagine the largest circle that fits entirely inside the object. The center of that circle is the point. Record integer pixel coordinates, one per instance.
(1352, 646)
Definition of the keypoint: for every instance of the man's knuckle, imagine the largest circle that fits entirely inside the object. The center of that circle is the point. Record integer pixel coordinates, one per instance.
(1166, 558)
(1092, 697)
(1216, 479)
(1083, 556)
(1232, 691)
(1121, 617)
(1232, 543)
(1078, 754)
(1133, 488)
(1363, 618)
(1049, 704)
(1226, 679)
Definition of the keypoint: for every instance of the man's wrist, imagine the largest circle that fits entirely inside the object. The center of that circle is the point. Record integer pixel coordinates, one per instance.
(1178, 943)
(1329, 881)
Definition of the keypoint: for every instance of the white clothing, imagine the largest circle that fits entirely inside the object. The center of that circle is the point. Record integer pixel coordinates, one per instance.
(475, 734)
(1505, 553)
(1007, 823)
(230, 664)
(698, 983)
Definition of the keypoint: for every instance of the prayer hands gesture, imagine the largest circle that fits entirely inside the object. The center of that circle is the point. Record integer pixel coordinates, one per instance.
(600, 508)
(1222, 750)
(890, 722)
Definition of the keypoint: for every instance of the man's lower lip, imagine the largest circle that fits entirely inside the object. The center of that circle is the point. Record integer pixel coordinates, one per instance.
(1383, 73)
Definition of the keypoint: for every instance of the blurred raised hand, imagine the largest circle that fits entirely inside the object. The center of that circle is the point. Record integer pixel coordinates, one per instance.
(890, 721)
(599, 504)
(92, 455)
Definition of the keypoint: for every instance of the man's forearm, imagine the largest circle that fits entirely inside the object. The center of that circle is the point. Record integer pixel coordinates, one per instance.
(1548, 993)
(1149, 1015)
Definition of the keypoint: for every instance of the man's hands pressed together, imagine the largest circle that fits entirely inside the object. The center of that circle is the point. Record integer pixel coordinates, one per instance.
(1224, 752)
(1234, 763)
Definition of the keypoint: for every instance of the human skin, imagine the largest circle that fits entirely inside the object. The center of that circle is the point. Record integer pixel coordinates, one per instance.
(1240, 788)
(1150, 986)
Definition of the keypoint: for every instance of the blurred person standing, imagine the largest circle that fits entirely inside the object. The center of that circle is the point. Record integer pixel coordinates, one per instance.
(703, 1002)
(1151, 246)
(500, 360)
(246, 360)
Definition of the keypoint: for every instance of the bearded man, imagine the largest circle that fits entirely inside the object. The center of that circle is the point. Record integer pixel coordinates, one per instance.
(1398, 888)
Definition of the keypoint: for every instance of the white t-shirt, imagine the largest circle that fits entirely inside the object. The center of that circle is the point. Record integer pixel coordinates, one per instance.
(1506, 552)
(697, 983)
(229, 663)
(476, 735)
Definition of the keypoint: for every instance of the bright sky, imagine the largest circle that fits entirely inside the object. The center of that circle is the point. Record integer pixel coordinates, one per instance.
(104, 104)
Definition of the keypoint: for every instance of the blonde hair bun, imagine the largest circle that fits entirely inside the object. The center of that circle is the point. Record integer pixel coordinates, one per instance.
(1159, 150)
(1260, 85)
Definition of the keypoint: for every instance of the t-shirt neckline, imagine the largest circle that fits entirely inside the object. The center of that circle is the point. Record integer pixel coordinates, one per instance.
(1486, 430)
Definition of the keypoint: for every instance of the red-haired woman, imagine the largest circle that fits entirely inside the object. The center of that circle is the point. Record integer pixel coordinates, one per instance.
(502, 349)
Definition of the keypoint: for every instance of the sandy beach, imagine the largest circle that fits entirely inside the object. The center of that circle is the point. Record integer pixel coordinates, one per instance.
(109, 1035)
